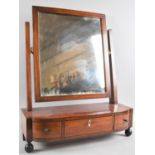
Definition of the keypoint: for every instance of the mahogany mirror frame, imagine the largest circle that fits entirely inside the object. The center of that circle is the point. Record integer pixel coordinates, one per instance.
(38, 97)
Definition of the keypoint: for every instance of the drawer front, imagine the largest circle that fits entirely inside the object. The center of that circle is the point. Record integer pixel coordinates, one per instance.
(121, 121)
(88, 126)
(46, 130)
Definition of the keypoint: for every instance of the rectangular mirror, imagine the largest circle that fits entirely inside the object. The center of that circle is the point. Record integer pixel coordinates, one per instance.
(69, 55)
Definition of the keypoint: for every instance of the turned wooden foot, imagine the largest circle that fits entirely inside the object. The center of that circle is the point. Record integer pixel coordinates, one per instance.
(29, 147)
(128, 132)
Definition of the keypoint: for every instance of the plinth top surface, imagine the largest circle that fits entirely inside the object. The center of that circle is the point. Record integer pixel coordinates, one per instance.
(69, 111)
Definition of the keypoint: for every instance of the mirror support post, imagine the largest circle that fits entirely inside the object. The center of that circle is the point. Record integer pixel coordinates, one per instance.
(28, 66)
(114, 98)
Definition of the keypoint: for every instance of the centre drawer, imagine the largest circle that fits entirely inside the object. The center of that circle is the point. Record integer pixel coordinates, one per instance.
(46, 130)
(88, 126)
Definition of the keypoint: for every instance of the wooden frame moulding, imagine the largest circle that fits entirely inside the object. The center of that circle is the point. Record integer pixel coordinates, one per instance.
(38, 97)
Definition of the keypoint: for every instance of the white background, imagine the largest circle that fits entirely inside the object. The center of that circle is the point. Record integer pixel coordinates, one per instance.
(145, 77)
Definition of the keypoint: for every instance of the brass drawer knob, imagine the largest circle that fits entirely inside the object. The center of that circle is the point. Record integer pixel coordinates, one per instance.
(89, 123)
(45, 129)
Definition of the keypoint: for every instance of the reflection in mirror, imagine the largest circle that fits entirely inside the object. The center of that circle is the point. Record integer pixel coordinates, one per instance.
(71, 55)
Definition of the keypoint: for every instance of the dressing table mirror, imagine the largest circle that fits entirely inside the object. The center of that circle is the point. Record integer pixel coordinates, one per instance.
(73, 60)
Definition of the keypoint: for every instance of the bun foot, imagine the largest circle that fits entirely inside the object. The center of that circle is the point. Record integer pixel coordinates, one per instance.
(29, 147)
(128, 132)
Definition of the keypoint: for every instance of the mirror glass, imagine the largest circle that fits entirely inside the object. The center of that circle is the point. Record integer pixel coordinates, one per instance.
(70, 54)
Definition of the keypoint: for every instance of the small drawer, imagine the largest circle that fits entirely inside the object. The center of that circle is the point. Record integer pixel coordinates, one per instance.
(121, 121)
(46, 130)
(88, 126)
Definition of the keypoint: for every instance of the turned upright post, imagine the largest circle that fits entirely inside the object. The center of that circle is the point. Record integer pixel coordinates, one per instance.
(28, 66)
(114, 98)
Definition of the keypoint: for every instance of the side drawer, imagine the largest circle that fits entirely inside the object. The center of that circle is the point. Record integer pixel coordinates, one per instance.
(89, 126)
(46, 130)
(121, 121)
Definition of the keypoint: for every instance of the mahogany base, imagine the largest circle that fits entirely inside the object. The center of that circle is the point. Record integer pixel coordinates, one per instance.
(74, 122)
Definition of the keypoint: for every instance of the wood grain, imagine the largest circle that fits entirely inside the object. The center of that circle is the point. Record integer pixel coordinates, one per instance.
(68, 12)
(71, 122)
(106, 56)
(46, 130)
(74, 111)
(88, 126)
(114, 98)
(122, 121)
(26, 127)
(28, 66)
